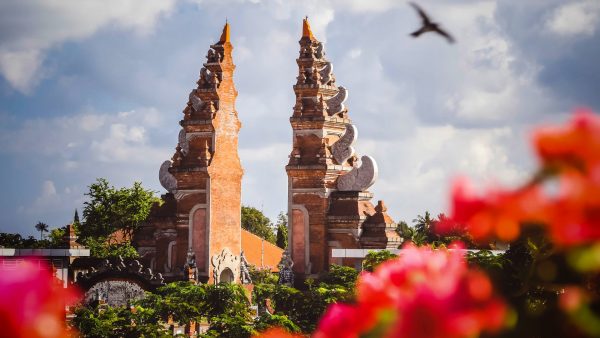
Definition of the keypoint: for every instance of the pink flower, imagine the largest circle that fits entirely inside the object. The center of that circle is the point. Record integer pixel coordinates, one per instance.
(422, 293)
(32, 303)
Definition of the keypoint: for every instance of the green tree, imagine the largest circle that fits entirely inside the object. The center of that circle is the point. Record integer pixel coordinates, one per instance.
(56, 237)
(109, 209)
(11, 240)
(41, 227)
(374, 258)
(282, 230)
(257, 223)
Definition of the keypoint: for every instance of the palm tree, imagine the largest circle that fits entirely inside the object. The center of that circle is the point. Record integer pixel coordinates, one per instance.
(41, 227)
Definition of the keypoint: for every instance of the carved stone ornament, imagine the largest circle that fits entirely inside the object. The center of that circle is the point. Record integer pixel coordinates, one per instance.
(167, 180)
(226, 266)
(342, 149)
(319, 52)
(195, 101)
(326, 73)
(183, 142)
(336, 103)
(170, 234)
(117, 282)
(360, 178)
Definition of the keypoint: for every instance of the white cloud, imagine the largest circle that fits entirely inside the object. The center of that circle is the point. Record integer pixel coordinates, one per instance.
(33, 26)
(577, 18)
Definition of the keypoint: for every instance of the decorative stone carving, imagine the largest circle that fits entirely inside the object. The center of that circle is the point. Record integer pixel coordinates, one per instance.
(223, 261)
(195, 101)
(361, 177)
(342, 149)
(286, 274)
(316, 76)
(167, 180)
(301, 78)
(327, 74)
(165, 234)
(117, 282)
(204, 77)
(114, 293)
(336, 103)
(183, 142)
(319, 52)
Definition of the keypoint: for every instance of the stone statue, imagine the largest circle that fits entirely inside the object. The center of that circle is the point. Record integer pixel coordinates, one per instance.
(286, 275)
(190, 265)
(245, 274)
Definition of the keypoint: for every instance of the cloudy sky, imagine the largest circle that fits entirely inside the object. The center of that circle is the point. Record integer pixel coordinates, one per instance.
(96, 88)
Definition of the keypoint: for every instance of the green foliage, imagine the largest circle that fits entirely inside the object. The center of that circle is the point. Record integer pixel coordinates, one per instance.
(262, 276)
(374, 258)
(109, 209)
(344, 276)
(16, 241)
(41, 227)
(282, 231)
(56, 237)
(101, 248)
(257, 223)
(106, 321)
(182, 300)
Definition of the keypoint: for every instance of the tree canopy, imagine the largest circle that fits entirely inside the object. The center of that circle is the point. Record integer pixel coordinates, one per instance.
(109, 209)
(257, 223)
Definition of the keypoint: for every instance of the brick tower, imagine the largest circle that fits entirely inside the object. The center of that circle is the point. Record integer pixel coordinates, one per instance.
(199, 221)
(328, 204)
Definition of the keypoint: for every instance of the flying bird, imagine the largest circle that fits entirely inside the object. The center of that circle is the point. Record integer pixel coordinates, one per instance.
(428, 25)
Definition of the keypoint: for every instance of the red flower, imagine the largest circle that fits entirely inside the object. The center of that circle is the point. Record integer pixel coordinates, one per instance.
(32, 303)
(575, 145)
(423, 293)
(496, 214)
(574, 217)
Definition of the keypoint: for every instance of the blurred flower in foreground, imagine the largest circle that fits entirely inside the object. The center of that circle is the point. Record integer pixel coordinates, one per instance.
(423, 293)
(277, 333)
(32, 303)
(495, 214)
(570, 156)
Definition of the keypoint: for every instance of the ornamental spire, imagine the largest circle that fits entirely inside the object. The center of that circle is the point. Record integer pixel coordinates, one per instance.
(306, 32)
(225, 35)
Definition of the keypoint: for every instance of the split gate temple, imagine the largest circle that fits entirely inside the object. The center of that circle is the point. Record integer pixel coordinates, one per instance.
(328, 203)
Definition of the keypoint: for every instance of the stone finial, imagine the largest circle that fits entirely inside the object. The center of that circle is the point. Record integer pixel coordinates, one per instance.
(205, 154)
(380, 207)
(316, 76)
(322, 106)
(177, 157)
